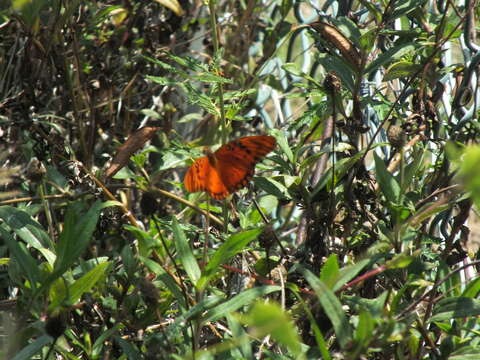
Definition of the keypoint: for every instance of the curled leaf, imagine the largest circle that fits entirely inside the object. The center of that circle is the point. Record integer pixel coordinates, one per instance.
(173, 5)
(337, 39)
(134, 142)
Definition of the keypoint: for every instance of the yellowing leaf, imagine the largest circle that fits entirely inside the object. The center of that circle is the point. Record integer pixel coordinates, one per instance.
(172, 5)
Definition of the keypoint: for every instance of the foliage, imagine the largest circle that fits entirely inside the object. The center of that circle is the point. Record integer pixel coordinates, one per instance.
(358, 237)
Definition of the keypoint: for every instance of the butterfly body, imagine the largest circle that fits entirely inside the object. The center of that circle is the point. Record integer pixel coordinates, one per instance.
(230, 168)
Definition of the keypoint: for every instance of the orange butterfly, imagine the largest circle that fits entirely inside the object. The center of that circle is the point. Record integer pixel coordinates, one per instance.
(229, 168)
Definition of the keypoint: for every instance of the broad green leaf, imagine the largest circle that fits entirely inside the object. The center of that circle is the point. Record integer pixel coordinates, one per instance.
(76, 235)
(387, 182)
(401, 261)
(391, 55)
(472, 289)
(413, 168)
(341, 168)
(330, 271)
(294, 69)
(282, 142)
(334, 63)
(271, 186)
(425, 212)
(87, 282)
(321, 342)
(238, 332)
(234, 244)
(466, 353)
(453, 283)
(246, 297)
(74, 291)
(401, 69)
(28, 352)
(20, 254)
(185, 253)
(28, 230)
(100, 342)
(365, 328)
(349, 272)
(128, 349)
(332, 308)
(166, 279)
(455, 307)
(367, 40)
(195, 311)
(269, 319)
(470, 171)
(404, 7)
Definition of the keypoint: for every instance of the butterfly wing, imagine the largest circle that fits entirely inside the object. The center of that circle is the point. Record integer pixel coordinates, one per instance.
(230, 168)
(236, 160)
(202, 176)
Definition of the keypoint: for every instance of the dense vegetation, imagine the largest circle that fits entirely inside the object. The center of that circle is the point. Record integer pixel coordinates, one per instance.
(357, 239)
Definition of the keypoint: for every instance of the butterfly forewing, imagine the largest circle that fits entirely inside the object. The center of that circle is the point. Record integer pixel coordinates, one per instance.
(230, 168)
(245, 152)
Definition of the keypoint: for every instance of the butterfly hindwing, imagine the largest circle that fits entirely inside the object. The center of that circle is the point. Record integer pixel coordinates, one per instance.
(195, 178)
(234, 176)
(202, 176)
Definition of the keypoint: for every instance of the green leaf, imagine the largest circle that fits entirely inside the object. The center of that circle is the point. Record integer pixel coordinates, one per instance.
(341, 168)
(470, 171)
(76, 235)
(334, 63)
(412, 169)
(282, 141)
(128, 349)
(82, 285)
(347, 273)
(28, 352)
(365, 328)
(238, 332)
(455, 307)
(28, 230)
(387, 182)
(227, 250)
(401, 261)
(195, 311)
(465, 353)
(372, 9)
(271, 186)
(210, 78)
(367, 40)
(100, 342)
(472, 289)
(166, 279)
(404, 7)
(391, 55)
(21, 255)
(401, 69)
(332, 308)
(330, 271)
(451, 286)
(185, 253)
(246, 297)
(161, 80)
(269, 319)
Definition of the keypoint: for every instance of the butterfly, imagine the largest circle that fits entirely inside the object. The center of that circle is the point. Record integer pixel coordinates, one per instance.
(230, 168)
